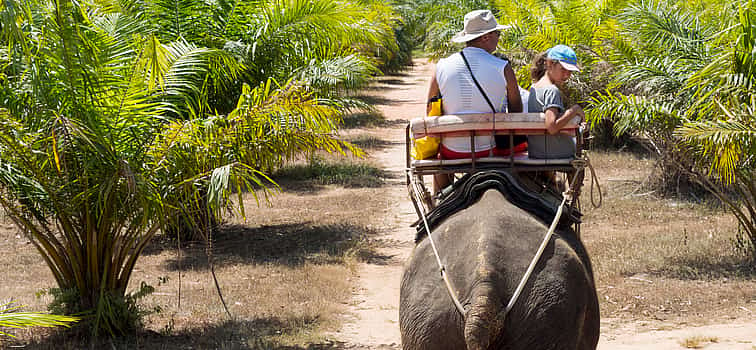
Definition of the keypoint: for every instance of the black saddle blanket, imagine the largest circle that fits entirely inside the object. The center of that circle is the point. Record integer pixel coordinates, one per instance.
(470, 187)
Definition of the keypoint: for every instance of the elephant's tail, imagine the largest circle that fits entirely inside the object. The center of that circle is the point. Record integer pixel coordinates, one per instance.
(483, 321)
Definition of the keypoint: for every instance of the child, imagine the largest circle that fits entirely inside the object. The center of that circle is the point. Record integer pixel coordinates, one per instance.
(550, 70)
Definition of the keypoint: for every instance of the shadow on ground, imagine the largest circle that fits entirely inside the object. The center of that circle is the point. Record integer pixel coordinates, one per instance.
(379, 100)
(255, 334)
(289, 244)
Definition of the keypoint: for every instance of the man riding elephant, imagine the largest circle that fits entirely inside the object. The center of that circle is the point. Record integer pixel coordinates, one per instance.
(475, 81)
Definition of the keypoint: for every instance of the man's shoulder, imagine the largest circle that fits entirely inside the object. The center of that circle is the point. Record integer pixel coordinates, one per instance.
(496, 60)
(452, 57)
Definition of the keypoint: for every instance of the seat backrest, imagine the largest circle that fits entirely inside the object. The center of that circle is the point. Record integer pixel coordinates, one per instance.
(503, 123)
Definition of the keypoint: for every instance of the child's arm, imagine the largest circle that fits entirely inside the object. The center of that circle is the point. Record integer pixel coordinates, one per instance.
(555, 122)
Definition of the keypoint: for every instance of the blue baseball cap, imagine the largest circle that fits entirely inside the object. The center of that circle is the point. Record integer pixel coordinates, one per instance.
(565, 55)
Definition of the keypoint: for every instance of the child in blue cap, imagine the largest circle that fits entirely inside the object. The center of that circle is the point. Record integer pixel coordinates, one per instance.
(549, 71)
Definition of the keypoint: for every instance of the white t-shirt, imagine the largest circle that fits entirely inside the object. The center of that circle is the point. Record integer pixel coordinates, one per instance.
(461, 96)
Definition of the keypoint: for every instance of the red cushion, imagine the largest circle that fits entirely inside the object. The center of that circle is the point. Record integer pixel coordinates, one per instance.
(446, 153)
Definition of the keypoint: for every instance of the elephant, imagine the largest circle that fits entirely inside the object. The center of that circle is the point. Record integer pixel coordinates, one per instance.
(486, 249)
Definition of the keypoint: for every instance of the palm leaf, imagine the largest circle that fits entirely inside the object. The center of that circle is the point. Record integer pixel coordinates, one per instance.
(633, 112)
(729, 143)
(11, 317)
(666, 29)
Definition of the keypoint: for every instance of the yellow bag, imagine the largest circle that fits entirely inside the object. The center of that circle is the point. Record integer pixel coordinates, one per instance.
(427, 146)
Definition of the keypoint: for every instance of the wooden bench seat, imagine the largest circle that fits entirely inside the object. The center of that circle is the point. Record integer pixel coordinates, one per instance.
(469, 125)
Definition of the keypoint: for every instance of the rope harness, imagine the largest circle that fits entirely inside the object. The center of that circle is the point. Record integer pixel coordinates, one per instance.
(441, 267)
(579, 165)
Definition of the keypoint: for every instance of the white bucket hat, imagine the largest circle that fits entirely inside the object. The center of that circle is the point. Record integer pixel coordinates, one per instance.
(477, 23)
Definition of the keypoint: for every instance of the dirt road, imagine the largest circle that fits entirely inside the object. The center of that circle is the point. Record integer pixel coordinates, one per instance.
(372, 320)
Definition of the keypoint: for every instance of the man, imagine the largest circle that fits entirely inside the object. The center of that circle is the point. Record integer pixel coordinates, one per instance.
(452, 80)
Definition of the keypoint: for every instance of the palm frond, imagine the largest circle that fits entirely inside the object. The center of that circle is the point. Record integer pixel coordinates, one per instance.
(330, 75)
(193, 72)
(181, 19)
(12, 317)
(731, 75)
(11, 34)
(633, 112)
(654, 75)
(728, 143)
(666, 29)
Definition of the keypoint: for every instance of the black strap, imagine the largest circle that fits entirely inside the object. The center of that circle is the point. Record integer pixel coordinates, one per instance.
(493, 110)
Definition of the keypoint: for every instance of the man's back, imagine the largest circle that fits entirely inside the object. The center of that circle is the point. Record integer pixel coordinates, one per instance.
(458, 89)
(461, 96)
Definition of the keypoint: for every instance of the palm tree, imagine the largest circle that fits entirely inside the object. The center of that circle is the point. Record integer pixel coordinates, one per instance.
(324, 46)
(725, 136)
(648, 94)
(105, 132)
(688, 87)
(333, 44)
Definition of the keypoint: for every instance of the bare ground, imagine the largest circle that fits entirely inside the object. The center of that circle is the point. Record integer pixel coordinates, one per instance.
(372, 319)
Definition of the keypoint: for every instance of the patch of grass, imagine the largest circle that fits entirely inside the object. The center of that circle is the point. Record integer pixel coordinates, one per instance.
(364, 119)
(319, 171)
(697, 342)
(366, 141)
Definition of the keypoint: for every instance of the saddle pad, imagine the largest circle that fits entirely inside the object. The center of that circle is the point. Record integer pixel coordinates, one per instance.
(470, 187)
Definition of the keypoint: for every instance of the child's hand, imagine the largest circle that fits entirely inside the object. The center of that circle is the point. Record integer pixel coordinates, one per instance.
(577, 110)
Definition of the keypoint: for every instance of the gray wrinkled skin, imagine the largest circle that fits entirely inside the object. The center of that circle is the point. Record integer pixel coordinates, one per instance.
(486, 249)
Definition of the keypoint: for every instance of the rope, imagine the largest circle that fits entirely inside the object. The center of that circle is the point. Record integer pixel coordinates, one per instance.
(441, 266)
(567, 194)
(594, 179)
(580, 165)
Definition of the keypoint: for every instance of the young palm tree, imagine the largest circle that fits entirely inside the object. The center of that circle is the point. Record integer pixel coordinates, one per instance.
(690, 90)
(725, 136)
(331, 43)
(648, 95)
(105, 132)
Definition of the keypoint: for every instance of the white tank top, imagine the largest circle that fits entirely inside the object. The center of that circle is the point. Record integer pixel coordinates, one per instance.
(461, 96)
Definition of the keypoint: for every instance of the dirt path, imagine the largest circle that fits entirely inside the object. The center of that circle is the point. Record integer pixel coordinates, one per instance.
(372, 318)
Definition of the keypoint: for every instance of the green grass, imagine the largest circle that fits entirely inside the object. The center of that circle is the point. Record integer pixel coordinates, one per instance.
(323, 172)
(369, 142)
(364, 119)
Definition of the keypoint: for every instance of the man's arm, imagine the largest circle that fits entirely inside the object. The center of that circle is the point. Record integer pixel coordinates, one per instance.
(514, 101)
(433, 90)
